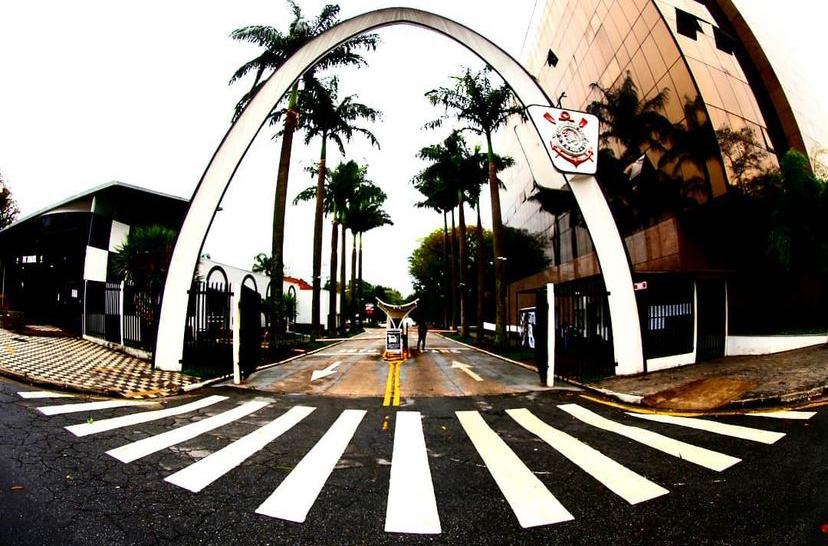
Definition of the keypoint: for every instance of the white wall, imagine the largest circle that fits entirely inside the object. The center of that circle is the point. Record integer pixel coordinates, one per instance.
(765, 345)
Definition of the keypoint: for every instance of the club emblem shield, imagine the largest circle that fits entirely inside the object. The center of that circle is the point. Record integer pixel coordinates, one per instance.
(569, 136)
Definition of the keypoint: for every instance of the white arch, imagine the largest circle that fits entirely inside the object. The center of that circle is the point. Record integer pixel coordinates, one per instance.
(608, 244)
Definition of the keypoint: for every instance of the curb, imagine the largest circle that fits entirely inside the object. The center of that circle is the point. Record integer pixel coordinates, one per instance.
(758, 402)
(70, 387)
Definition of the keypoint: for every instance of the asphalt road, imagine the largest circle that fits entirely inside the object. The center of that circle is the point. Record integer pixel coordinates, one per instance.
(488, 473)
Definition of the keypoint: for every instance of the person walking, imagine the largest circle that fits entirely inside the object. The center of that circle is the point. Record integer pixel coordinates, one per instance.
(422, 330)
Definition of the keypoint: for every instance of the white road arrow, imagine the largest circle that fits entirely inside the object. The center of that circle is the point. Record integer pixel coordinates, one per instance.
(319, 374)
(466, 368)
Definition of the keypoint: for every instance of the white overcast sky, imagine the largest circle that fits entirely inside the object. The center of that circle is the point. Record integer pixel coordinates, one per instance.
(94, 91)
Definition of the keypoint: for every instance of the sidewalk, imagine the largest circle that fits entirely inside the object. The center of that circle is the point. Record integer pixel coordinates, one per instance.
(738, 381)
(75, 364)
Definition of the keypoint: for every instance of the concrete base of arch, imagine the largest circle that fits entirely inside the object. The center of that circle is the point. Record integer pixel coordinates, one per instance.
(207, 196)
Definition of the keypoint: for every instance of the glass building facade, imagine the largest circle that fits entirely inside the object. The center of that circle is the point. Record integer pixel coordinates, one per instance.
(718, 84)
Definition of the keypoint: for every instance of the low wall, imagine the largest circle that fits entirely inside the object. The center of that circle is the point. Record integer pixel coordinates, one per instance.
(764, 345)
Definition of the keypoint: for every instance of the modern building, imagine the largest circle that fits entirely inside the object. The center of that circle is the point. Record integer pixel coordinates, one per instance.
(47, 256)
(56, 267)
(699, 293)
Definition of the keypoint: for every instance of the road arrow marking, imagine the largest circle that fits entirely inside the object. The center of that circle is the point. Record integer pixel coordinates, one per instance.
(466, 368)
(319, 374)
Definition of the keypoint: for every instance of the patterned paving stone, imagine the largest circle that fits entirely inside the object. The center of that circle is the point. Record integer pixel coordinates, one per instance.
(79, 364)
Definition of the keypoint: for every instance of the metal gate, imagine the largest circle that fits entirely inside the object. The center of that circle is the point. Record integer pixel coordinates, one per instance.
(103, 310)
(208, 339)
(583, 334)
(665, 305)
(711, 325)
(250, 330)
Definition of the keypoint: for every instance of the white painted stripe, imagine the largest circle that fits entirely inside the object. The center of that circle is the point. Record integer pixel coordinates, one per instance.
(698, 455)
(530, 500)
(804, 415)
(35, 395)
(622, 481)
(89, 406)
(200, 474)
(736, 431)
(412, 507)
(295, 496)
(142, 448)
(85, 429)
(455, 351)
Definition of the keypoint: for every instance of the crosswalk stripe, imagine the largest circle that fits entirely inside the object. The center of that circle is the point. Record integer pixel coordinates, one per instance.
(736, 431)
(295, 496)
(200, 474)
(695, 454)
(804, 415)
(619, 479)
(412, 507)
(141, 448)
(36, 395)
(85, 429)
(89, 406)
(530, 500)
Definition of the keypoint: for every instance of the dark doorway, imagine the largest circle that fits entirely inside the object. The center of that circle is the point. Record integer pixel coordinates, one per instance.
(250, 330)
(711, 294)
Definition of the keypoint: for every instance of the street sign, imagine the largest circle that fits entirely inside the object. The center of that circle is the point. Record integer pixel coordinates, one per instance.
(640, 286)
(569, 136)
(393, 340)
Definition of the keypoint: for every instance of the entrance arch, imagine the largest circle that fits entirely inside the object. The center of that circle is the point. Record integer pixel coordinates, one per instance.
(609, 246)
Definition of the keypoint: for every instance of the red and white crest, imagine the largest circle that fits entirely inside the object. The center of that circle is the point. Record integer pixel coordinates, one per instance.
(569, 136)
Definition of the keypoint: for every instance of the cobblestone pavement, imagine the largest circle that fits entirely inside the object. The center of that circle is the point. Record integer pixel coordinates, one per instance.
(779, 377)
(76, 364)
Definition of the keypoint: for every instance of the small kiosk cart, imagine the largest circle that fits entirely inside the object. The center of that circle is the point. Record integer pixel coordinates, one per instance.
(396, 331)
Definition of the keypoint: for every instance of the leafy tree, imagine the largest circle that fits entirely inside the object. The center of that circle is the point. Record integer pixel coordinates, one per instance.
(525, 256)
(8, 207)
(744, 155)
(262, 263)
(276, 48)
(482, 109)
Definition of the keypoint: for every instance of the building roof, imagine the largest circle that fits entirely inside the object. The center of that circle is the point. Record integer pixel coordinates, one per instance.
(89, 193)
(303, 284)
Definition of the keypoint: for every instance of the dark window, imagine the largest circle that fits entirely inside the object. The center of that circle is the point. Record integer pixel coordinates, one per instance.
(99, 232)
(687, 24)
(551, 59)
(724, 42)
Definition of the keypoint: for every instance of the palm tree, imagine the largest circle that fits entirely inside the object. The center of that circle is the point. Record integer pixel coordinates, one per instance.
(483, 108)
(441, 198)
(342, 182)
(329, 118)
(277, 48)
(636, 125)
(364, 213)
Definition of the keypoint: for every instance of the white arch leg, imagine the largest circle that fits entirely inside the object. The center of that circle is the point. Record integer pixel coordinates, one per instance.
(208, 194)
(626, 329)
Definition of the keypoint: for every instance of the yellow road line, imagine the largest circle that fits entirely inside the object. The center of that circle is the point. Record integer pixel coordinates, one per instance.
(389, 386)
(397, 383)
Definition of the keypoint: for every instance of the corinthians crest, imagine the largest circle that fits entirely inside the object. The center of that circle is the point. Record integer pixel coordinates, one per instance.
(570, 138)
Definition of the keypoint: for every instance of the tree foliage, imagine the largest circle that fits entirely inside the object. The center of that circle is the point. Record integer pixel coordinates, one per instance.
(8, 206)
(144, 258)
(524, 257)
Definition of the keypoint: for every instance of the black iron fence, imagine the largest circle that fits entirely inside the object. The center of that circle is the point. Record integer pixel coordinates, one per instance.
(583, 332)
(208, 337)
(127, 318)
(665, 305)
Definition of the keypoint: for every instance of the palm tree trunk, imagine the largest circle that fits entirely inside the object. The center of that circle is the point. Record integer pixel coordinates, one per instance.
(464, 258)
(453, 241)
(353, 279)
(499, 256)
(446, 289)
(343, 266)
(360, 307)
(481, 275)
(332, 277)
(277, 267)
(317, 243)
